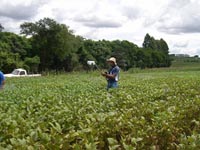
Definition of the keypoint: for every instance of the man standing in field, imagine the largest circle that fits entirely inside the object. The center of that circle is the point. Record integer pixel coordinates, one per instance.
(2, 80)
(112, 75)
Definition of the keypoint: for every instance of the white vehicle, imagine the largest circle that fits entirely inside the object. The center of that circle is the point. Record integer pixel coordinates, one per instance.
(91, 62)
(21, 73)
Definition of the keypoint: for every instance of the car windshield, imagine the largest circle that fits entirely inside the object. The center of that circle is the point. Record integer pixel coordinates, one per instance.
(15, 72)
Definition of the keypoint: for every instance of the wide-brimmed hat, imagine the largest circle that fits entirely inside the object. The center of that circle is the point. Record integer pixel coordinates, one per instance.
(112, 59)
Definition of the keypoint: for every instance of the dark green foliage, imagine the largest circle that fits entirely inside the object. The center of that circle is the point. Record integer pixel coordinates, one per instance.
(13, 50)
(32, 63)
(125, 52)
(54, 43)
(99, 51)
(11, 42)
(151, 43)
(1, 28)
(10, 61)
(159, 51)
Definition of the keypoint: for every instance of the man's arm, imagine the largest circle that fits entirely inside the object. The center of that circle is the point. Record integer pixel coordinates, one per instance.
(3, 81)
(110, 76)
(115, 72)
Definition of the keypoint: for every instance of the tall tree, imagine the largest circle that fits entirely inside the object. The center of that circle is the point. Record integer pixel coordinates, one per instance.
(149, 42)
(1, 28)
(125, 52)
(14, 43)
(9, 61)
(52, 42)
(163, 46)
(160, 51)
(32, 63)
(13, 50)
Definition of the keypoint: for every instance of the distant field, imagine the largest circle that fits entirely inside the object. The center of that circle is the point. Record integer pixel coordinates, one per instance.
(156, 110)
(186, 62)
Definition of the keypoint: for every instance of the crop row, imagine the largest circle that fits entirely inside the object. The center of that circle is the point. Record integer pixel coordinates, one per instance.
(74, 111)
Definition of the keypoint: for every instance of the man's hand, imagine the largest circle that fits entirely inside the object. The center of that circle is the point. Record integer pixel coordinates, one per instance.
(108, 76)
(1, 86)
(104, 74)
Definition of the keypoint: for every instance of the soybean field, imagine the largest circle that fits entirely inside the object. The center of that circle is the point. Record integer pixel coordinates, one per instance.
(157, 110)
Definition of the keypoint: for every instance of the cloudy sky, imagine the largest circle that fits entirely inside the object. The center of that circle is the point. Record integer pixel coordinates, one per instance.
(176, 21)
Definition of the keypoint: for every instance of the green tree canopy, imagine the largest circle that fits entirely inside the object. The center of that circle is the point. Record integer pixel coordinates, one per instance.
(1, 28)
(51, 41)
(14, 43)
(46, 45)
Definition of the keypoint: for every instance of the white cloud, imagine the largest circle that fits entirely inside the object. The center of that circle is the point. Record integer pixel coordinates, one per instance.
(176, 21)
(19, 9)
(181, 17)
(97, 22)
(181, 44)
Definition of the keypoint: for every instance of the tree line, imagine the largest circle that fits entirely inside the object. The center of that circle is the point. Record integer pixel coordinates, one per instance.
(46, 45)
